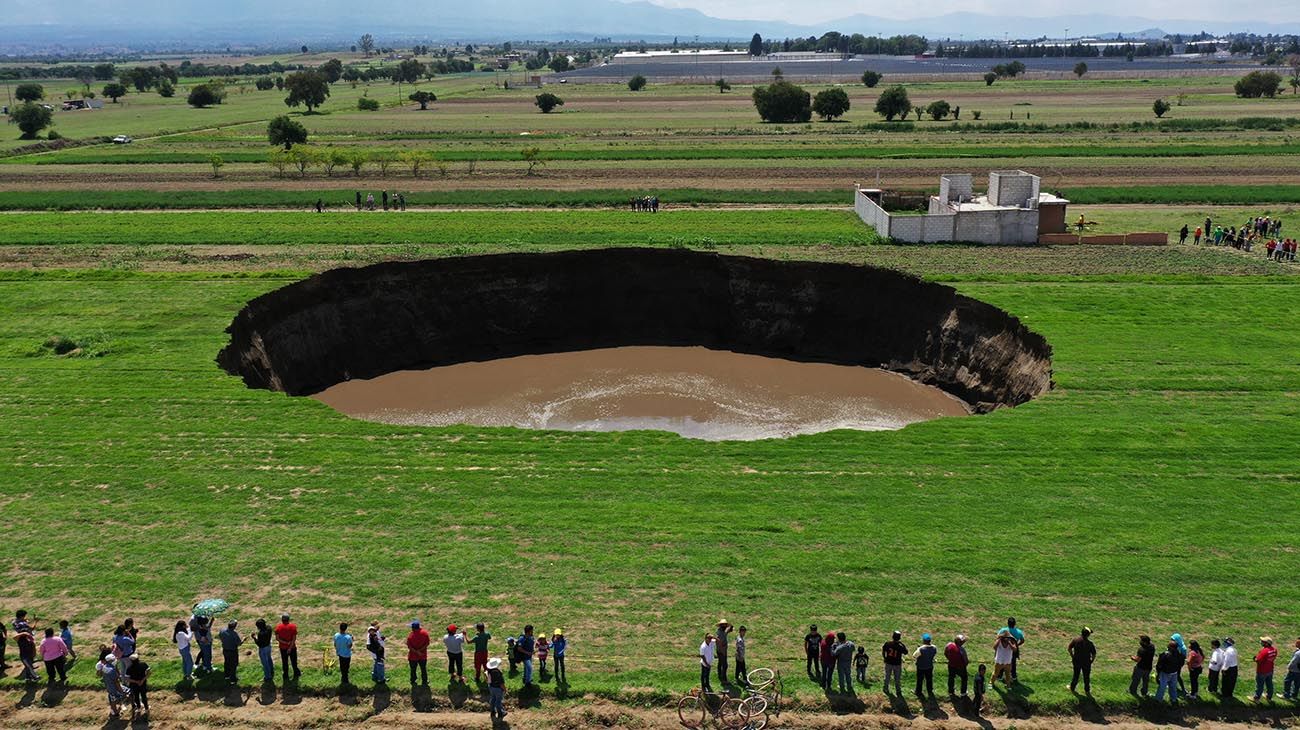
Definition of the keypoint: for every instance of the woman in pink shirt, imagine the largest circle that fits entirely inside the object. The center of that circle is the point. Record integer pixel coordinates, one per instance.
(55, 655)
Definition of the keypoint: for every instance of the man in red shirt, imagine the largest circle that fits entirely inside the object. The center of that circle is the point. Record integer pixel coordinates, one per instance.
(955, 653)
(417, 652)
(1264, 668)
(286, 635)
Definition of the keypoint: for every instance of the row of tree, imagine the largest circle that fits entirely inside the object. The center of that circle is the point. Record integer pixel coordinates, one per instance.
(836, 42)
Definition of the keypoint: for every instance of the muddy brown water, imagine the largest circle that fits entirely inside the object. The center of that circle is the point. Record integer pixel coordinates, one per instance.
(692, 391)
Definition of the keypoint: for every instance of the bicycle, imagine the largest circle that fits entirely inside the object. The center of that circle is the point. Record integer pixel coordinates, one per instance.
(763, 691)
(697, 708)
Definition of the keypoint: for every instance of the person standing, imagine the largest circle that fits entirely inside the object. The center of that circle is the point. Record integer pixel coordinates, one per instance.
(455, 643)
(262, 639)
(65, 633)
(1228, 682)
(496, 689)
(980, 684)
(892, 653)
(370, 201)
(724, 628)
(1019, 637)
(1265, 660)
(526, 646)
(343, 648)
(1182, 234)
(1216, 665)
(320, 205)
(827, 654)
(358, 200)
(811, 641)
(1168, 667)
(742, 676)
(137, 682)
(182, 637)
(54, 653)
(958, 664)
(376, 645)
(26, 641)
(108, 674)
(480, 641)
(1004, 653)
(1082, 655)
(706, 662)
(417, 652)
(924, 656)
(860, 662)
(1291, 685)
(1142, 662)
(4, 640)
(286, 637)
(123, 647)
(230, 643)
(201, 626)
(558, 646)
(385, 200)
(844, 662)
(1195, 665)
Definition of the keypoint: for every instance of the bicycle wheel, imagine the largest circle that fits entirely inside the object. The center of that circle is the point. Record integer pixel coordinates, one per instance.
(761, 676)
(731, 714)
(754, 705)
(690, 710)
(756, 722)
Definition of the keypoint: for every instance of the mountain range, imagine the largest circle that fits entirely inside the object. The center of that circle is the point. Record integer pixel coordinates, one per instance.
(286, 23)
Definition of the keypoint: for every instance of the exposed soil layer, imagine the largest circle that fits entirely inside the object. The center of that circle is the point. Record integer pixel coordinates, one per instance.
(362, 323)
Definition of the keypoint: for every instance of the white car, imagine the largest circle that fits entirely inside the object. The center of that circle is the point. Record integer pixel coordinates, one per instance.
(122, 139)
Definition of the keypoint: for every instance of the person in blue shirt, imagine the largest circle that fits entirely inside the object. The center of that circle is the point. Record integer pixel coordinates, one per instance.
(1019, 637)
(558, 645)
(525, 647)
(65, 633)
(343, 648)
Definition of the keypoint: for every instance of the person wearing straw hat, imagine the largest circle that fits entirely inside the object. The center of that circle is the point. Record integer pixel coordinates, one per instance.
(724, 628)
(1265, 661)
(558, 646)
(1082, 654)
(496, 689)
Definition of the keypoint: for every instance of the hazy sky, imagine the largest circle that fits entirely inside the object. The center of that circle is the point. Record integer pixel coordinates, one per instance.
(813, 11)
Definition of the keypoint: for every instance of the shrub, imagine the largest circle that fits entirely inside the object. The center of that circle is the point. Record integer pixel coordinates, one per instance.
(546, 101)
(1160, 107)
(938, 110)
(31, 119)
(54, 135)
(366, 104)
(783, 102)
(893, 102)
(831, 103)
(205, 95)
(636, 83)
(64, 346)
(989, 78)
(871, 78)
(1258, 83)
(976, 114)
(166, 90)
(723, 86)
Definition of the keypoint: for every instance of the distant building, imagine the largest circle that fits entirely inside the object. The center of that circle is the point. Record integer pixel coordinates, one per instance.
(684, 56)
(1014, 211)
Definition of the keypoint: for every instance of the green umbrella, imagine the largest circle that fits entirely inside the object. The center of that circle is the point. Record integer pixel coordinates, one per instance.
(211, 607)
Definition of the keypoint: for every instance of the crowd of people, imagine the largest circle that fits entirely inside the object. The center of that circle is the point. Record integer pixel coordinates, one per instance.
(396, 201)
(649, 204)
(1260, 231)
(125, 674)
(834, 662)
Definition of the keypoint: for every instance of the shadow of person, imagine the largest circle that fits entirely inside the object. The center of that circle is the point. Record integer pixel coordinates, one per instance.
(381, 698)
(1090, 711)
(348, 695)
(898, 705)
(844, 704)
(422, 698)
(500, 724)
(529, 695)
(561, 689)
(457, 694)
(29, 694)
(932, 710)
(235, 696)
(115, 724)
(53, 695)
(267, 694)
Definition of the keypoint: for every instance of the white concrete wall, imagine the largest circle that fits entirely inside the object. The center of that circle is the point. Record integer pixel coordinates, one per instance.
(1008, 227)
(1013, 188)
(955, 187)
(871, 214)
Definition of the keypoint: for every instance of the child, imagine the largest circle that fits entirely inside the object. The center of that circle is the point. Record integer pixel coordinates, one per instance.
(540, 651)
(65, 633)
(860, 661)
(979, 688)
(510, 654)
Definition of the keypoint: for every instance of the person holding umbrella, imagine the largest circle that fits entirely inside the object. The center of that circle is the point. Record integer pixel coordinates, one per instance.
(201, 625)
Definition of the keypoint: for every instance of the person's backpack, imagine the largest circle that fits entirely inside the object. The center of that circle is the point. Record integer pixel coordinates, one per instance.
(519, 649)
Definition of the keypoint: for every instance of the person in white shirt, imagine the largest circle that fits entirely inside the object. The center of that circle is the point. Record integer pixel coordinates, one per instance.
(183, 637)
(1291, 685)
(455, 643)
(1216, 665)
(741, 674)
(706, 662)
(1229, 680)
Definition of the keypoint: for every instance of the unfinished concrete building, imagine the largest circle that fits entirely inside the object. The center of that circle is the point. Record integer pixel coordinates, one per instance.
(1013, 211)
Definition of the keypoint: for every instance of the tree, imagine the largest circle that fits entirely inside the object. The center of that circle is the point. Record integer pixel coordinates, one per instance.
(893, 102)
(103, 71)
(778, 74)
(367, 44)
(723, 86)
(29, 92)
(938, 110)
(308, 88)
(285, 131)
(756, 45)
(783, 102)
(264, 83)
(205, 95)
(31, 119)
(166, 90)
(831, 103)
(217, 163)
(546, 101)
(871, 78)
(383, 159)
(304, 49)
(423, 98)
(1258, 83)
(302, 158)
(356, 161)
(1080, 69)
(532, 157)
(114, 91)
(919, 110)
(560, 63)
(1294, 62)
(278, 159)
(409, 71)
(332, 157)
(415, 159)
(332, 69)
(989, 78)
(636, 83)
(1160, 107)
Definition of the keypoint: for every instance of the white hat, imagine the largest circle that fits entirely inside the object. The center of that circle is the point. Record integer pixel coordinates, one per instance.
(493, 663)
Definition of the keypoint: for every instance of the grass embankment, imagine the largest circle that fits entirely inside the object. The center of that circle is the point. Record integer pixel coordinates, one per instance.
(1158, 467)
